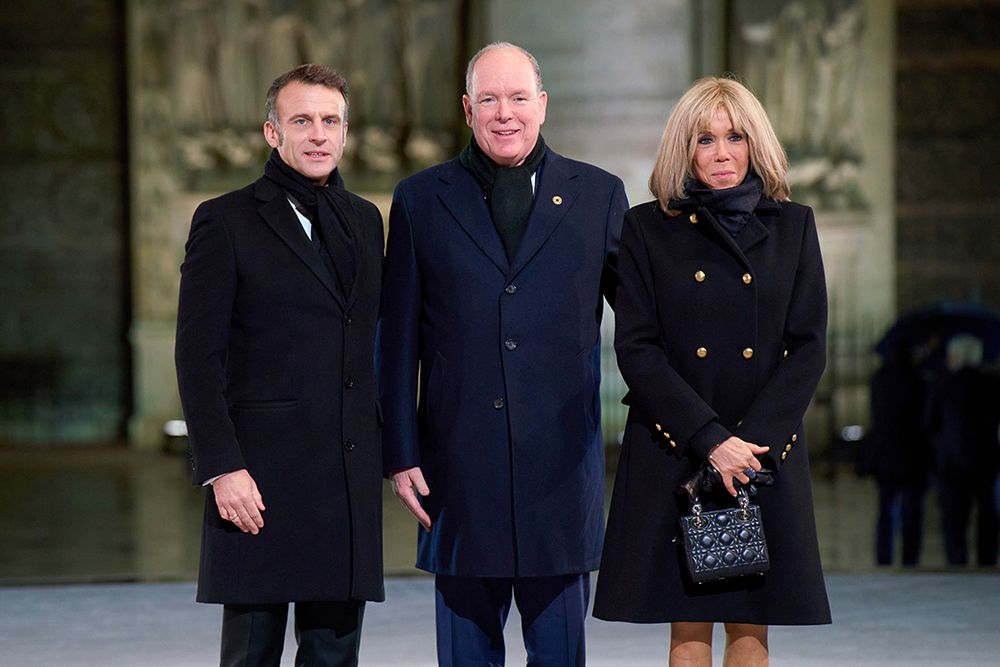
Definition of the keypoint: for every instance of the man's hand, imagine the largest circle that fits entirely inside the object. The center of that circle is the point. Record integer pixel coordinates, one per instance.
(239, 501)
(403, 483)
(734, 458)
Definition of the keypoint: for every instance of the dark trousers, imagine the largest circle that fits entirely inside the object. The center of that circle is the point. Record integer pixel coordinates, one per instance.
(957, 496)
(328, 634)
(909, 500)
(471, 613)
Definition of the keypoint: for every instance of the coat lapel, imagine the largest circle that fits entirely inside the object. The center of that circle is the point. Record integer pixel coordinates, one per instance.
(464, 199)
(277, 212)
(555, 195)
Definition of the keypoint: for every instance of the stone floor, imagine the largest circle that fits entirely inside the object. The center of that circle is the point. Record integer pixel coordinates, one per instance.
(884, 620)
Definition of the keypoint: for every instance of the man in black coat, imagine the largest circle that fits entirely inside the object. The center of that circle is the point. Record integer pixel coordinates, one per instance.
(279, 300)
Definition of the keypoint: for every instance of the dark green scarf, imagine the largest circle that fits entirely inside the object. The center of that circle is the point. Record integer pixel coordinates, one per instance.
(508, 190)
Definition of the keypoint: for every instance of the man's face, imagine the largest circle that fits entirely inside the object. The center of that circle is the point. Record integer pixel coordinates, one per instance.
(311, 130)
(503, 106)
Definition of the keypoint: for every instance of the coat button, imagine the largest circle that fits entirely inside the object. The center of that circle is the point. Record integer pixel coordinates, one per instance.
(348, 445)
(784, 354)
(784, 455)
(693, 218)
(699, 276)
(673, 444)
(510, 344)
(510, 289)
(794, 437)
(747, 278)
(701, 352)
(498, 404)
(788, 448)
(349, 382)
(658, 427)
(347, 320)
(747, 353)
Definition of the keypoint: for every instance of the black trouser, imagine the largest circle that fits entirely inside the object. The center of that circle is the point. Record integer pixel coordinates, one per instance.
(910, 501)
(958, 495)
(328, 634)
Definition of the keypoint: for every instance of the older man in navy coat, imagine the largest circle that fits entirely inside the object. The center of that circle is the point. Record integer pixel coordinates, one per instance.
(495, 269)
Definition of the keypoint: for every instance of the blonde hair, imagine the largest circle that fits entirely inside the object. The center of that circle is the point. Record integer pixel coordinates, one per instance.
(693, 114)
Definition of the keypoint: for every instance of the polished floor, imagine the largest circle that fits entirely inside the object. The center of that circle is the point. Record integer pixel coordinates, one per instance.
(99, 548)
(884, 620)
(113, 514)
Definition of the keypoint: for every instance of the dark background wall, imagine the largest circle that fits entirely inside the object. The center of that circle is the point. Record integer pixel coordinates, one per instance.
(948, 151)
(64, 313)
(63, 357)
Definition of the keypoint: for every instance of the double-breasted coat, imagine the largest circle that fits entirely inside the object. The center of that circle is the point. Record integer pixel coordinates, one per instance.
(277, 375)
(507, 430)
(715, 336)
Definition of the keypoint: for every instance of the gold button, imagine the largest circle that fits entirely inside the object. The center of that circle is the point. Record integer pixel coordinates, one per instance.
(794, 437)
(673, 444)
(784, 455)
(666, 435)
(784, 354)
(557, 200)
(747, 353)
(747, 278)
(701, 352)
(699, 276)
(788, 448)
(693, 218)
(658, 427)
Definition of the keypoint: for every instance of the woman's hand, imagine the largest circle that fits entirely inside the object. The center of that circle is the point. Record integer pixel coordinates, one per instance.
(733, 458)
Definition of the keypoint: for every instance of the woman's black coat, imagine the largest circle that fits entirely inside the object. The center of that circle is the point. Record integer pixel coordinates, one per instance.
(716, 336)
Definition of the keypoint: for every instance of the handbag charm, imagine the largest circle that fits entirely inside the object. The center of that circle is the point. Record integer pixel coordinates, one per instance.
(724, 543)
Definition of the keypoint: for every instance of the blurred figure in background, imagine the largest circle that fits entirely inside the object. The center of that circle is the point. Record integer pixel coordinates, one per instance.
(963, 419)
(899, 454)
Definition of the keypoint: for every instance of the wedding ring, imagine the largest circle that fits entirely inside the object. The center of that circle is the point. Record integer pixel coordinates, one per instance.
(235, 517)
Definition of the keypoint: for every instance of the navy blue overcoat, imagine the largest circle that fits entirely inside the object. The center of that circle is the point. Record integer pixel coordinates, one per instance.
(507, 430)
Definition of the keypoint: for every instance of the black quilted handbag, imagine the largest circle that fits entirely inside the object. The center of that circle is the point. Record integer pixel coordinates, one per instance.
(724, 543)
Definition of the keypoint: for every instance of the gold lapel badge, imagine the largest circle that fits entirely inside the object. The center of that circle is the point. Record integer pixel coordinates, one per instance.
(557, 200)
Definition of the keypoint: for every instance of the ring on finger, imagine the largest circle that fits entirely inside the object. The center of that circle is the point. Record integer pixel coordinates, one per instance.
(750, 472)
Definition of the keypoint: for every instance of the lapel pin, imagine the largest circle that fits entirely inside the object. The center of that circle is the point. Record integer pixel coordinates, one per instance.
(557, 200)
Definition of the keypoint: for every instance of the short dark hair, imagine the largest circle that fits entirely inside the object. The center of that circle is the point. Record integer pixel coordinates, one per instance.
(311, 74)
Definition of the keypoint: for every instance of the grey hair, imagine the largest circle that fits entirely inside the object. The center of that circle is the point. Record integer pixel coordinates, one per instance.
(311, 74)
(493, 46)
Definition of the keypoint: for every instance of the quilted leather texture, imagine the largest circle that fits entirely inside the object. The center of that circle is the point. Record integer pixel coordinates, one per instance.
(725, 544)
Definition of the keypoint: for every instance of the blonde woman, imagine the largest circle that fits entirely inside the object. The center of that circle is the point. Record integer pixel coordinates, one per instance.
(720, 335)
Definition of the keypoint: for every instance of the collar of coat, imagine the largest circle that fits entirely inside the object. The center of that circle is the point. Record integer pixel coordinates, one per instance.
(754, 232)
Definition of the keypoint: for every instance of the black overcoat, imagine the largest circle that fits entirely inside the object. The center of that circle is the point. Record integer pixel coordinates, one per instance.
(715, 336)
(276, 372)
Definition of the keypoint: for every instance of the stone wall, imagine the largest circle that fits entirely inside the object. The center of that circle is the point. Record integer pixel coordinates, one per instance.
(63, 237)
(948, 151)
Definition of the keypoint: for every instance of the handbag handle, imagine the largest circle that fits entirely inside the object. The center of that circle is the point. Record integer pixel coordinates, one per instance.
(742, 500)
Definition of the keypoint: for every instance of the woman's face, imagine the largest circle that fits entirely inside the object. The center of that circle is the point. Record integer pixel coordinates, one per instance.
(721, 154)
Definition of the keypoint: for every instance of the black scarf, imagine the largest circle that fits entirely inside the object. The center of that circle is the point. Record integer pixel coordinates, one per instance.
(508, 190)
(331, 230)
(733, 206)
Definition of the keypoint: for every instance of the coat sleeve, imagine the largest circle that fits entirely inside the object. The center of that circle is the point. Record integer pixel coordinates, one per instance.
(655, 388)
(399, 342)
(616, 215)
(207, 292)
(778, 408)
